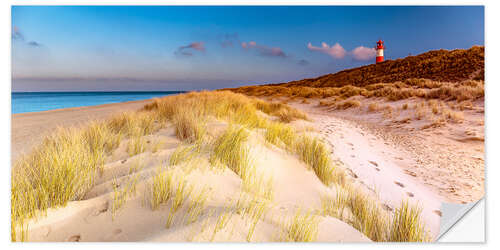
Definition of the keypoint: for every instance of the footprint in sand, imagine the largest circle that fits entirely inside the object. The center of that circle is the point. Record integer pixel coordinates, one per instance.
(350, 144)
(75, 238)
(399, 184)
(408, 172)
(410, 194)
(387, 207)
(102, 208)
(374, 163)
(438, 212)
(378, 169)
(117, 231)
(123, 161)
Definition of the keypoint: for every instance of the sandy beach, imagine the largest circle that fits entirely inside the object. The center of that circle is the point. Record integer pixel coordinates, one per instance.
(377, 162)
(287, 183)
(28, 129)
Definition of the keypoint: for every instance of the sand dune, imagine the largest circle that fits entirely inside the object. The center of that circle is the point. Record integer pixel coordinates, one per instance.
(92, 219)
(228, 179)
(28, 129)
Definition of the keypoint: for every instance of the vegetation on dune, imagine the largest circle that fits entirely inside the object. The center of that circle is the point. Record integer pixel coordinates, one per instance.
(456, 75)
(437, 65)
(422, 88)
(303, 227)
(365, 214)
(63, 168)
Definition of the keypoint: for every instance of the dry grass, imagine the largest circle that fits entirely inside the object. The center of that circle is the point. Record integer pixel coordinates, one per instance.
(120, 196)
(373, 107)
(188, 126)
(64, 166)
(348, 104)
(303, 227)
(280, 134)
(365, 214)
(425, 71)
(255, 211)
(230, 150)
(161, 188)
(468, 90)
(197, 205)
(221, 222)
(315, 154)
(136, 145)
(182, 154)
(257, 184)
(181, 194)
(59, 170)
(407, 226)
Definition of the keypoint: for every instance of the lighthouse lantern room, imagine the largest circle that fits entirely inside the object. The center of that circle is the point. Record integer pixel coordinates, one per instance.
(380, 51)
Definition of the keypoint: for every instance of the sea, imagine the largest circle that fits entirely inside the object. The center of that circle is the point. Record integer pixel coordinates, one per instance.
(23, 102)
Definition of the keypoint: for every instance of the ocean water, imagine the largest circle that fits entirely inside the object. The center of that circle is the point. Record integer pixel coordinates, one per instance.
(23, 102)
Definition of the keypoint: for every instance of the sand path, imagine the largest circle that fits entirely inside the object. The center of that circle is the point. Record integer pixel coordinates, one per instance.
(379, 165)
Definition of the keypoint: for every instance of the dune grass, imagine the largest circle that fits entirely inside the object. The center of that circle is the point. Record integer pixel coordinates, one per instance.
(136, 145)
(182, 154)
(197, 205)
(280, 134)
(469, 90)
(255, 212)
(64, 166)
(61, 169)
(256, 183)
(188, 126)
(221, 222)
(407, 225)
(230, 149)
(366, 215)
(303, 227)
(120, 195)
(315, 154)
(181, 194)
(162, 188)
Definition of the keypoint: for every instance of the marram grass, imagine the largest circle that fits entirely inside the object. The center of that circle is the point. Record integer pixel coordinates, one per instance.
(64, 166)
(303, 227)
(366, 215)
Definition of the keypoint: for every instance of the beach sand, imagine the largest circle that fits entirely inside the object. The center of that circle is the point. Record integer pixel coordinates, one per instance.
(97, 217)
(395, 162)
(28, 129)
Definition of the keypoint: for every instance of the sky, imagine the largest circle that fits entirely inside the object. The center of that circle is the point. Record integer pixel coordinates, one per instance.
(131, 48)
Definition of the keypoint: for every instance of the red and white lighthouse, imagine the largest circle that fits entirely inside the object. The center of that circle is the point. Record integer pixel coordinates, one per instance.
(380, 51)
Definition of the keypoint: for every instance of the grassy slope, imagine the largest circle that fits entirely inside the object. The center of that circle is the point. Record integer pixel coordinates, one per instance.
(437, 65)
(39, 179)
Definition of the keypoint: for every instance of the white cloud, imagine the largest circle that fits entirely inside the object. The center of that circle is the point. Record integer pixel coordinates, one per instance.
(363, 53)
(335, 51)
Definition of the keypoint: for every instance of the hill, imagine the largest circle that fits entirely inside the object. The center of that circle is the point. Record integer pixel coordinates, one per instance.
(437, 65)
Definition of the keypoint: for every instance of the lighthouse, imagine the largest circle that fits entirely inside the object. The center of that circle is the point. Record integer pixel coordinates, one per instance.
(380, 51)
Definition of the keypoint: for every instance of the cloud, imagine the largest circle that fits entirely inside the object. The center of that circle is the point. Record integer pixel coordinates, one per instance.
(187, 50)
(303, 62)
(264, 50)
(362, 53)
(16, 34)
(34, 44)
(200, 46)
(335, 51)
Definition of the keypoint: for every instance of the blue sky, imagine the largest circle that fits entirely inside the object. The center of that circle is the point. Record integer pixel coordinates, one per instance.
(75, 48)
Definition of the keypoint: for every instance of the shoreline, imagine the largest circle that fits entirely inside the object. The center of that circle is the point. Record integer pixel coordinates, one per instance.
(28, 129)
